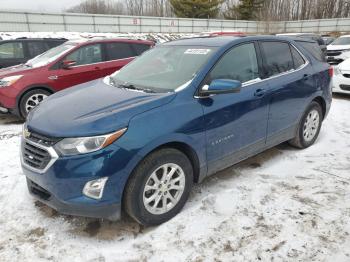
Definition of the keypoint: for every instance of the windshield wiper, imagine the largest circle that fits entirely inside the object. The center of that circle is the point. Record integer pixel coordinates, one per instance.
(133, 87)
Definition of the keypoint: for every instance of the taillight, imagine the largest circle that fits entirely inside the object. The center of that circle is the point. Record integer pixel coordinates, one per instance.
(331, 71)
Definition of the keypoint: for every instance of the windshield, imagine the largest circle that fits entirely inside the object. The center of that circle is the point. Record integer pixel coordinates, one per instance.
(163, 69)
(50, 55)
(342, 41)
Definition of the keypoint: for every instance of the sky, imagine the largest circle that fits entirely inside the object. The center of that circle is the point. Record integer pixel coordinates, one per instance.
(38, 5)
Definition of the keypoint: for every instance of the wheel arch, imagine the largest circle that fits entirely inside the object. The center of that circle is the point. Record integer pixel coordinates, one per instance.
(31, 88)
(321, 101)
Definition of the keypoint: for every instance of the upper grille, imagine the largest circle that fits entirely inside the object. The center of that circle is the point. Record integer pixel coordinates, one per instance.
(35, 156)
(333, 52)
(43, 140)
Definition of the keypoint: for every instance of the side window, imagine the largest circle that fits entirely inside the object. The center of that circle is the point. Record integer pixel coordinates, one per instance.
(278, 58)
(85, 55)
(37, 48)
(119, 51)
(297, 58)
(240, 63)
(11, 50)
(314, 49)
(140, 48)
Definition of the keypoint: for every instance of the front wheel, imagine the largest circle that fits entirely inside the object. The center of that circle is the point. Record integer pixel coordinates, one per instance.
(30, 100)
(309, 127)
(159, 187)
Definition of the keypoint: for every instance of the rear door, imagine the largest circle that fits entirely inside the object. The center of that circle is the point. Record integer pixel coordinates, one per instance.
(118, 54)
(290, 77)
(12, 53)
(89, 60)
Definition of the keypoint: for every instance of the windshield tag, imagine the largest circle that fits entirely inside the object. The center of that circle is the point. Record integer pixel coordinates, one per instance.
(197, 51)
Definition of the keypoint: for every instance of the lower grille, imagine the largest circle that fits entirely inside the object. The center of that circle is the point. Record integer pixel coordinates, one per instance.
(345, 87)
(38, 190)
(35, 156)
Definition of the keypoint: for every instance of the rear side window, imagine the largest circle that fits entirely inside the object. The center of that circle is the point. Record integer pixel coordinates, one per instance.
(37, 48)
(119, 51)
(140, 48)
(278, 58)
(240, 63)
(11, 50)
(314, 49)
(52, 44)
(297, 58)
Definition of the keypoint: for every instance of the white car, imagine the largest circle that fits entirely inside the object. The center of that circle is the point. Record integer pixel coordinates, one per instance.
(341, 78)
(339, 50)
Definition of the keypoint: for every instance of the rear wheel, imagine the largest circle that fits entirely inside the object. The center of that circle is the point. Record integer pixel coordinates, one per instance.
(32, 99)
(159, 187)
(309, 127)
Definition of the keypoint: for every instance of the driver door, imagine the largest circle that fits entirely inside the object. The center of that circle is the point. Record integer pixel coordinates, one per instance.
(236, 123)
(87, 67)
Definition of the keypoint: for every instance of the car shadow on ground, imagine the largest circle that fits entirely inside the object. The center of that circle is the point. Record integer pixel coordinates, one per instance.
(126, 228)
(341, 96)
(8, 119)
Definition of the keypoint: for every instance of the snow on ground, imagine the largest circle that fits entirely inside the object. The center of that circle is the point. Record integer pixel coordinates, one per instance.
(282, 205)
(157, 37)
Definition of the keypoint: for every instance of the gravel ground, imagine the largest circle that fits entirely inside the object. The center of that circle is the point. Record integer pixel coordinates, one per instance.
(282, 205)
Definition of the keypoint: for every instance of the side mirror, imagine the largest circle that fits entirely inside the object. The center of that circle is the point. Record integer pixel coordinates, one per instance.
(66, 64)
(221, 86)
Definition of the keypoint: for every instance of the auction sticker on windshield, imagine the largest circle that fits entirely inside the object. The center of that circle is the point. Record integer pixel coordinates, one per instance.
(197, 51)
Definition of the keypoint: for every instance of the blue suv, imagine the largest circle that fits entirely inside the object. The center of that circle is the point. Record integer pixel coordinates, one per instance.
(137, 140)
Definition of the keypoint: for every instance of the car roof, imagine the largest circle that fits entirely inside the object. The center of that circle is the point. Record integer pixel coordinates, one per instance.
(34, 39)
(220, 41)
(80, 41)
(344, 36)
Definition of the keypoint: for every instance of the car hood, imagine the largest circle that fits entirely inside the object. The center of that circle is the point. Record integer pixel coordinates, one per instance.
(15, 70)
(338, 47)
(93, 108)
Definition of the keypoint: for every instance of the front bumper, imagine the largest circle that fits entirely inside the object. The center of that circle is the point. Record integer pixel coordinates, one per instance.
(61, 185)
(76, 208)
(341, 84)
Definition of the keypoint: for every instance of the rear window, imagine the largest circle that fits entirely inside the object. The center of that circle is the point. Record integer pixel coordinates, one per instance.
(278, 58)
(314, 50)
(119, 51)
(140, 48)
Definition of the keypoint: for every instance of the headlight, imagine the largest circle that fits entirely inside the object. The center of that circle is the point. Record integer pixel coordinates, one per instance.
(337, 70)
(10, 80)
(83, 145)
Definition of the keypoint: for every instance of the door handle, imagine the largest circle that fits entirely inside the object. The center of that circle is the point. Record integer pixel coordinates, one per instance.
(306, 77)
(260, 92)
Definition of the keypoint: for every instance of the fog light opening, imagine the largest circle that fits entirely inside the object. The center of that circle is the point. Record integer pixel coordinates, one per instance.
(94, 188)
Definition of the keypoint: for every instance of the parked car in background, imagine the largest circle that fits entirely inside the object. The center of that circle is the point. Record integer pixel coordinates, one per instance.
(186, 109)
(18, 51)
(341, 78)
(339, 50)
(328, 39)
(222, 33)
(23, 87)
(309, 36)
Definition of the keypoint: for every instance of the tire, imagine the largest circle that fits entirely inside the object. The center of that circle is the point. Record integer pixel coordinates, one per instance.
(136, 195)
(308, 132)
(30, 100)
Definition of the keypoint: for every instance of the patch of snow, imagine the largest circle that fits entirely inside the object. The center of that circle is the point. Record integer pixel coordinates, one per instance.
(283, 205)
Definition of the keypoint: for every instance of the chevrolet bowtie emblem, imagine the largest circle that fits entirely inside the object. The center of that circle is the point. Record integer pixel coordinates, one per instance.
(26, 133)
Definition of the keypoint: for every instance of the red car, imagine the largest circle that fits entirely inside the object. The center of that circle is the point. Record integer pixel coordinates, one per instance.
(24, 86)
